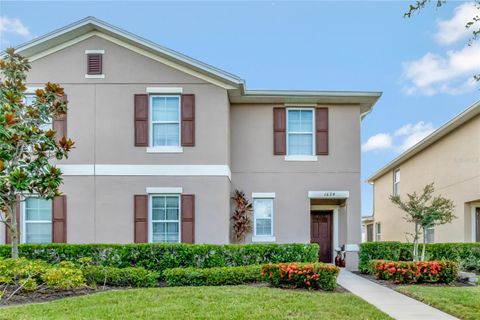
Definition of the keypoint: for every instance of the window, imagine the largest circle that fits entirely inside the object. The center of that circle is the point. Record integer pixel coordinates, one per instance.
(263, 217)
(378, 231)
(396, 182)
(28, 100)
(300, 135)
(37, 220)
(369, 232)
(165, 121)
(430, 235)
(165, 217)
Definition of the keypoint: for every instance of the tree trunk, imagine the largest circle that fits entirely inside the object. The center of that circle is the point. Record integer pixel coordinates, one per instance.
(424, 243)
(14, 230)
(415, 243)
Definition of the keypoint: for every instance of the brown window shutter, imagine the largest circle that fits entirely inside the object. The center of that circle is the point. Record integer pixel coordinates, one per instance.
(59, 219)
(141, 120)
(321, 136)
(8, 236)
(279, 131)
(140, 233)
(188, 218)
(59, 124)
(188, 120)
(94, 63)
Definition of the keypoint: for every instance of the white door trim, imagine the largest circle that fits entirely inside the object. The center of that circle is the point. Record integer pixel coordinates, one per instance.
(335, 209)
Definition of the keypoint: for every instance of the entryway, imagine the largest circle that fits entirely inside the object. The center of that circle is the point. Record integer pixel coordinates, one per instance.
(321, 232)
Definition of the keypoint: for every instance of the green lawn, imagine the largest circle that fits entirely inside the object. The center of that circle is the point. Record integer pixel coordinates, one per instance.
(462, 302)
(227, 302)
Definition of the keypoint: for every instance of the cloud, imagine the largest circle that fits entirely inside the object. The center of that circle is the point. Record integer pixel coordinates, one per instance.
(401, 139)
(13, 26)
(378, 142)
(451, 73)
(453, 30)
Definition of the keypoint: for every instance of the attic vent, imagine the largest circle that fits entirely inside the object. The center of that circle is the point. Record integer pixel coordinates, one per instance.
(94, 63)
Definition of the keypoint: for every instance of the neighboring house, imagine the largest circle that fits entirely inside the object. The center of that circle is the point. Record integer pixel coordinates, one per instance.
(162, 140)
(449, 157)
(367, 229)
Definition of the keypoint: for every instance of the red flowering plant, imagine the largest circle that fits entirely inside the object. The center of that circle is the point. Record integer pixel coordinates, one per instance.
(414, 271)
(301, 275)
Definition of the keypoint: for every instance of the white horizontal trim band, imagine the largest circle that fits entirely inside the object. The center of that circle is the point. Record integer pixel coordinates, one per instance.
(301, 158)
(144, 170)
(95, 76)
(94, 51)
(164, 90)
(263, 239)
(164, 149)
(268, 195)
(328, 194)
(178, 190)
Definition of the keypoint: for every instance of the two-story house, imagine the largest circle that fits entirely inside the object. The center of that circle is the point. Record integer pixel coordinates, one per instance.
(162, 140)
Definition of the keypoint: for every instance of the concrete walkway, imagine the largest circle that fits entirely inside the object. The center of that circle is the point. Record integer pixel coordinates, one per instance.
(395, 304)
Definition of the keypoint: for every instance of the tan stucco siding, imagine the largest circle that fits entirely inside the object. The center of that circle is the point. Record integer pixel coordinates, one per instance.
(453, 164)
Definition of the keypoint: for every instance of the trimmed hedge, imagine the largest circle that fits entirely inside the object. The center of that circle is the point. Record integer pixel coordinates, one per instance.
(466, 255)
(120, 277)
(301, 275)
(212, 276)
(414, 271)
(159, 256)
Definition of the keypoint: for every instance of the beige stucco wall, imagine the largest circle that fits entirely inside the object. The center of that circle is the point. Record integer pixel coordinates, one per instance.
(453, 163)
(256, 169)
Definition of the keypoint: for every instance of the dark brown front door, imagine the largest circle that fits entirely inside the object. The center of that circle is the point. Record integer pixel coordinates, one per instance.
(477, 216)
(321, 233)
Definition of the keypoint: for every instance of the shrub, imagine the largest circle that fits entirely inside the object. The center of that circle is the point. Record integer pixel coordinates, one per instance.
(298, 275)
(29, 274)
(160, 256)
(414, 271)
(466, 255)
(212, 276)
(119, 277)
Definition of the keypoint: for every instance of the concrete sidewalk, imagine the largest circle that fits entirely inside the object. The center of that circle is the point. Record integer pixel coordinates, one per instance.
(395, 304)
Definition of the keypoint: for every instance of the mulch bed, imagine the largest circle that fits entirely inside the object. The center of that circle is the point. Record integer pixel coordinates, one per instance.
(394, 286)
(44, 295)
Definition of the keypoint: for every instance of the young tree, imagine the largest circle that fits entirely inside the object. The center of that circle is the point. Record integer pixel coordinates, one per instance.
(26, 145)
(425, 211)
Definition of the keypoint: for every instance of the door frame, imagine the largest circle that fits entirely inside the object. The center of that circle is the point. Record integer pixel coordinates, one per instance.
(473, 219)
(335, 209)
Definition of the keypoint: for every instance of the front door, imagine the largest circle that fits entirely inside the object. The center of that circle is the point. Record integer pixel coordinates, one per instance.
(477, 216)
(321, 233)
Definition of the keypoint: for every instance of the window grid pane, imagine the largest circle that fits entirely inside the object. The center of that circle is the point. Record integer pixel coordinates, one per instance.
(165, 218)
(38, 220)
(263, 216)
(165, 122)
(300, 132)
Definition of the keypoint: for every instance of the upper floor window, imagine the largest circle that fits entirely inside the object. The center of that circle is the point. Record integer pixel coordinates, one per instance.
(300, 131)
(165, 121)
(37, 220)
(396, 182)
(165, 218)
(29, 100)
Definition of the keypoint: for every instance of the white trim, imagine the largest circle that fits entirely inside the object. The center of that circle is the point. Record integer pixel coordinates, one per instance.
(473, 220)
(301, 158)
(264, 239)
(165, 149)
(328, 194)
(150, 221)
(304, 105)
(268, 195)
(94, 76)
(94, 51)
(164, 90)
(309, 157)
(77, 169)
(176, 190)
(335, 209)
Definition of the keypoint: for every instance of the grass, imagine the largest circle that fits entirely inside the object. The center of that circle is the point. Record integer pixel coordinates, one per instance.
(226, 302)
(462, 302)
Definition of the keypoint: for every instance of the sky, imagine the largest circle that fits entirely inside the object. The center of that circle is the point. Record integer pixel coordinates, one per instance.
(423, 64)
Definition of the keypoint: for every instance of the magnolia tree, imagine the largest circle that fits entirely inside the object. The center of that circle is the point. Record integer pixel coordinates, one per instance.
(425, 211)
(26, 144)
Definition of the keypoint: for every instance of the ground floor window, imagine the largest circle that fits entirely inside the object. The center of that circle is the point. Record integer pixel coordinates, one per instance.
(263, 217)
(369, 232)
(165, 218)
(37, 220)
(430, 235)
(378, 231)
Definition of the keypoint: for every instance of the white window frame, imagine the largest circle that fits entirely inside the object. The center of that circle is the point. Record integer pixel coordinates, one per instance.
(150, 216)
(164, 149)
(378, 235)
(303, 157)
(263, 238)
(23, 211)
(396, 184)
